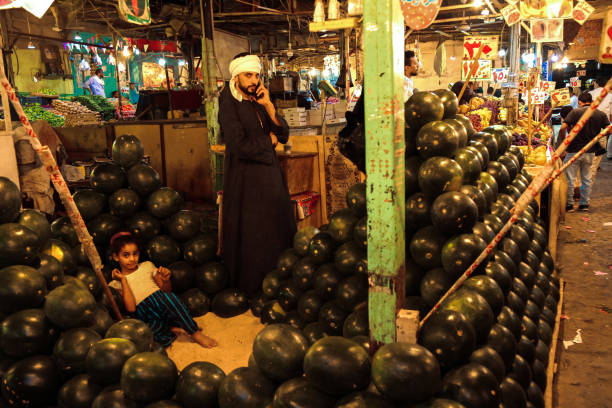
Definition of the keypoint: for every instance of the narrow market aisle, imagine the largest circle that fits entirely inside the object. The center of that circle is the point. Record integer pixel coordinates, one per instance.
(585, 262)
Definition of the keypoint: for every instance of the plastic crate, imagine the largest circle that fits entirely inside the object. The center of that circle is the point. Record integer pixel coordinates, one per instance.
(26, 99)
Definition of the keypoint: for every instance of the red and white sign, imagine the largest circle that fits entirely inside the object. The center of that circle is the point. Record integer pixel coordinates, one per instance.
(581, 11)
(500, 75)
(560, 97)
(419, 14)
(489, 44)
(575, 82)
(511, 14)
(483, 70)
(605, 47)
(581, 72)
(538, 97)
(546, 86)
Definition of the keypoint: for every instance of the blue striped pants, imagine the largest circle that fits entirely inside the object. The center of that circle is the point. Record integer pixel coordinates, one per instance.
(161, 311)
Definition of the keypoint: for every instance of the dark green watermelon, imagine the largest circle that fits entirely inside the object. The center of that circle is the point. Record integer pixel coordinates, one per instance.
(321, 248)
(477, 195)
(163, 250)
(483, 231)
(331, 317)
(182, 276)
(341, 225)
(37, 222)
(62, 229)
(513, 191)
(89, 202)
(489, 289)
(440, 403)
(460, 129)
(525, 348)
(26, 333)
(422, 108)
(417, 212)
(90, 279)
(148, 377)
(426, 247)
(482, 149)
(490, 143)
(356, 324)
(346, 258)
(10, 200)
(449, 337)
(434, 284)
(406, 373)
(538, 370)
(299, 393)
(102, 320)
(459, 252)
(273, 313)
(360, 233)
(475, 308)
(503, 137)
(510, 164)
(519, 155)
(302, 238)
(113, 397)
(326, 280)
(106, 178)
(414, 274)
(503, 341)
(512, 394)
(337, 366)
(469, 162)
(134, 330)
(184, 225)
(21, 287)
(201, 249)
(466, 123)
(211, 277)
(78, 392)
(71, 350)
(272, 282)
(499, 274)
(454, 213)
(449, 100)
(489, 358)
(127, 150)
(304, 272)
(287, 260)
(31, 382)
(510, 247)
(356, 199)
(352, 292)
(294, 320)
(436, 138)
(18, 245)
(198, 384)
(257, 304)
(143, 226)
(103, 227)
(106, 358)
(472, 385)
(229, 303)
(438, 175)
(196, 302)
(308, 306)
(521, 372)
(164, 202)
(143, 179)
(500, 173)
(245, 387)
(412, 165)
(279, 351)
(123, 203)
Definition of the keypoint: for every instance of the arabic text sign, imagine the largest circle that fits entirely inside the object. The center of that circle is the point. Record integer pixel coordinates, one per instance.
(471, 45)
(581, 11)
(419, 14)
(560, 97)
(500, 75)
(546, 86)
(575, 82)
(605, 47)
(483, 71)
(511, 14)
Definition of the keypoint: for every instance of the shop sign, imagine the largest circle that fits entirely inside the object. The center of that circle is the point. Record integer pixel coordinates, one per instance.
(546, 86)
(560, 97)
(575, 82)
(419, 14)
(581, 72)
(581, 12)
(538, 97)
(499, 75)
(605, 48)
(511, 14)
(546, 8)
(547, 30)
(472, 44)
(483, 70)
(135, 11)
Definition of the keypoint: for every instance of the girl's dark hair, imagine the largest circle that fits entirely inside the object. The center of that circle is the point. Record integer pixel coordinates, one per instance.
(120, 239)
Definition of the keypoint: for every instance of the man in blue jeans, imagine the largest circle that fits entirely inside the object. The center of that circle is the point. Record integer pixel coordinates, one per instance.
(592, 127)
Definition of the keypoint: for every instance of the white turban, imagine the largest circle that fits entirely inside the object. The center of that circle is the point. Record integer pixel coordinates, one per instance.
(248, 63)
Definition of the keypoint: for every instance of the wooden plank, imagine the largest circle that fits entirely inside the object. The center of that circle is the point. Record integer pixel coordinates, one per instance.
(149, 135)
(331, 25)
(552, 366)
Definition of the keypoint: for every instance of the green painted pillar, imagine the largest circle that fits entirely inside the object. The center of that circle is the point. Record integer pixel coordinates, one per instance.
(383, 31)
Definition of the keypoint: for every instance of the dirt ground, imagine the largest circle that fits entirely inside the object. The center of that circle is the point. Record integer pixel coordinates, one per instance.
(584, 259)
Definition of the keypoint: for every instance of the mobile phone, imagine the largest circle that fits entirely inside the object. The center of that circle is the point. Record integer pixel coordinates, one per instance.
(257, 95)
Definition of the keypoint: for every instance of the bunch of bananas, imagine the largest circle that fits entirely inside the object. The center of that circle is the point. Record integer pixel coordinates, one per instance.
(485, 116)
(537, 156)
(475, 103)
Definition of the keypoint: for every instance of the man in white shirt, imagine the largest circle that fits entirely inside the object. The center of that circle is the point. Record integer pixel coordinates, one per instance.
(411, 68)
(605, 106)
(573, 97)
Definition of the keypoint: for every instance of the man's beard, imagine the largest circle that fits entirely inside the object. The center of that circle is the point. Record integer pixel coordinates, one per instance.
(246, 90)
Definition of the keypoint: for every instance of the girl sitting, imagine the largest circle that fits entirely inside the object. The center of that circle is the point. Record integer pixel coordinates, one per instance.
(147, 292)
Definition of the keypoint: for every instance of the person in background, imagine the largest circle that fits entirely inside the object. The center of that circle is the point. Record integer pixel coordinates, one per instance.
(467, 95)
(411, 68)
(591, 128)
(134, 95)
(490, 91)
(95, 84)
(605, 106)
(497, 93)
(479, 92)
(573, 98)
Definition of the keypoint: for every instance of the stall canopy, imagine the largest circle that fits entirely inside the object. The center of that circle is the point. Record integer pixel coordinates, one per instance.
(35, 7)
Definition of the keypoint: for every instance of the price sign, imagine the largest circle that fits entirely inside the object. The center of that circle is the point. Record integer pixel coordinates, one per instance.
(581, 11)
(575, 82)
(560, 97)
(471, 45)
(581, 72)
(500, 75)
(483, 71)
(605, 47)
(511, 14)
(538, 97)
(546, 86)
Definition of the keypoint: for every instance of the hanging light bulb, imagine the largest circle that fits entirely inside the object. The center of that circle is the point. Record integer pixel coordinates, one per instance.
(161, 62)
(554, 58)
(502, 52)
(126, 51)
(478, 3)
(181, 63)
(31, 45)
(485, 12)
(77, 37)
(355, 8)
(313, 72)
(111, 59)
(136, 50)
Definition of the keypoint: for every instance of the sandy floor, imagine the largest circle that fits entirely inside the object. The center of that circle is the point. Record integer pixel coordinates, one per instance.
(235, 337)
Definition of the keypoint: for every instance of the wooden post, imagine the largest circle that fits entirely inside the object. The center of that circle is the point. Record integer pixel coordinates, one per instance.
(472, 71)
(383, 32)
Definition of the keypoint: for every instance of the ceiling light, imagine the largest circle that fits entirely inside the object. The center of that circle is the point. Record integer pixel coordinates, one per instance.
(485, 12)
(554, 58)
(478, 3)
(77, 37)
(501, 53)
(564, 60)
(126, 51)
(181, 63)
(161, 62)
(136, 51)
(452, 58)
(31, 45)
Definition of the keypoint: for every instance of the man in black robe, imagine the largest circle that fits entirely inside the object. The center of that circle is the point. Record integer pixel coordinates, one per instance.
(258, 217)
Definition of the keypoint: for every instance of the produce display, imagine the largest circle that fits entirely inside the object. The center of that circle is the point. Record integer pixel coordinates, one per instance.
(35, 112)
(487, 345)
(75, 113)
(97, 103)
